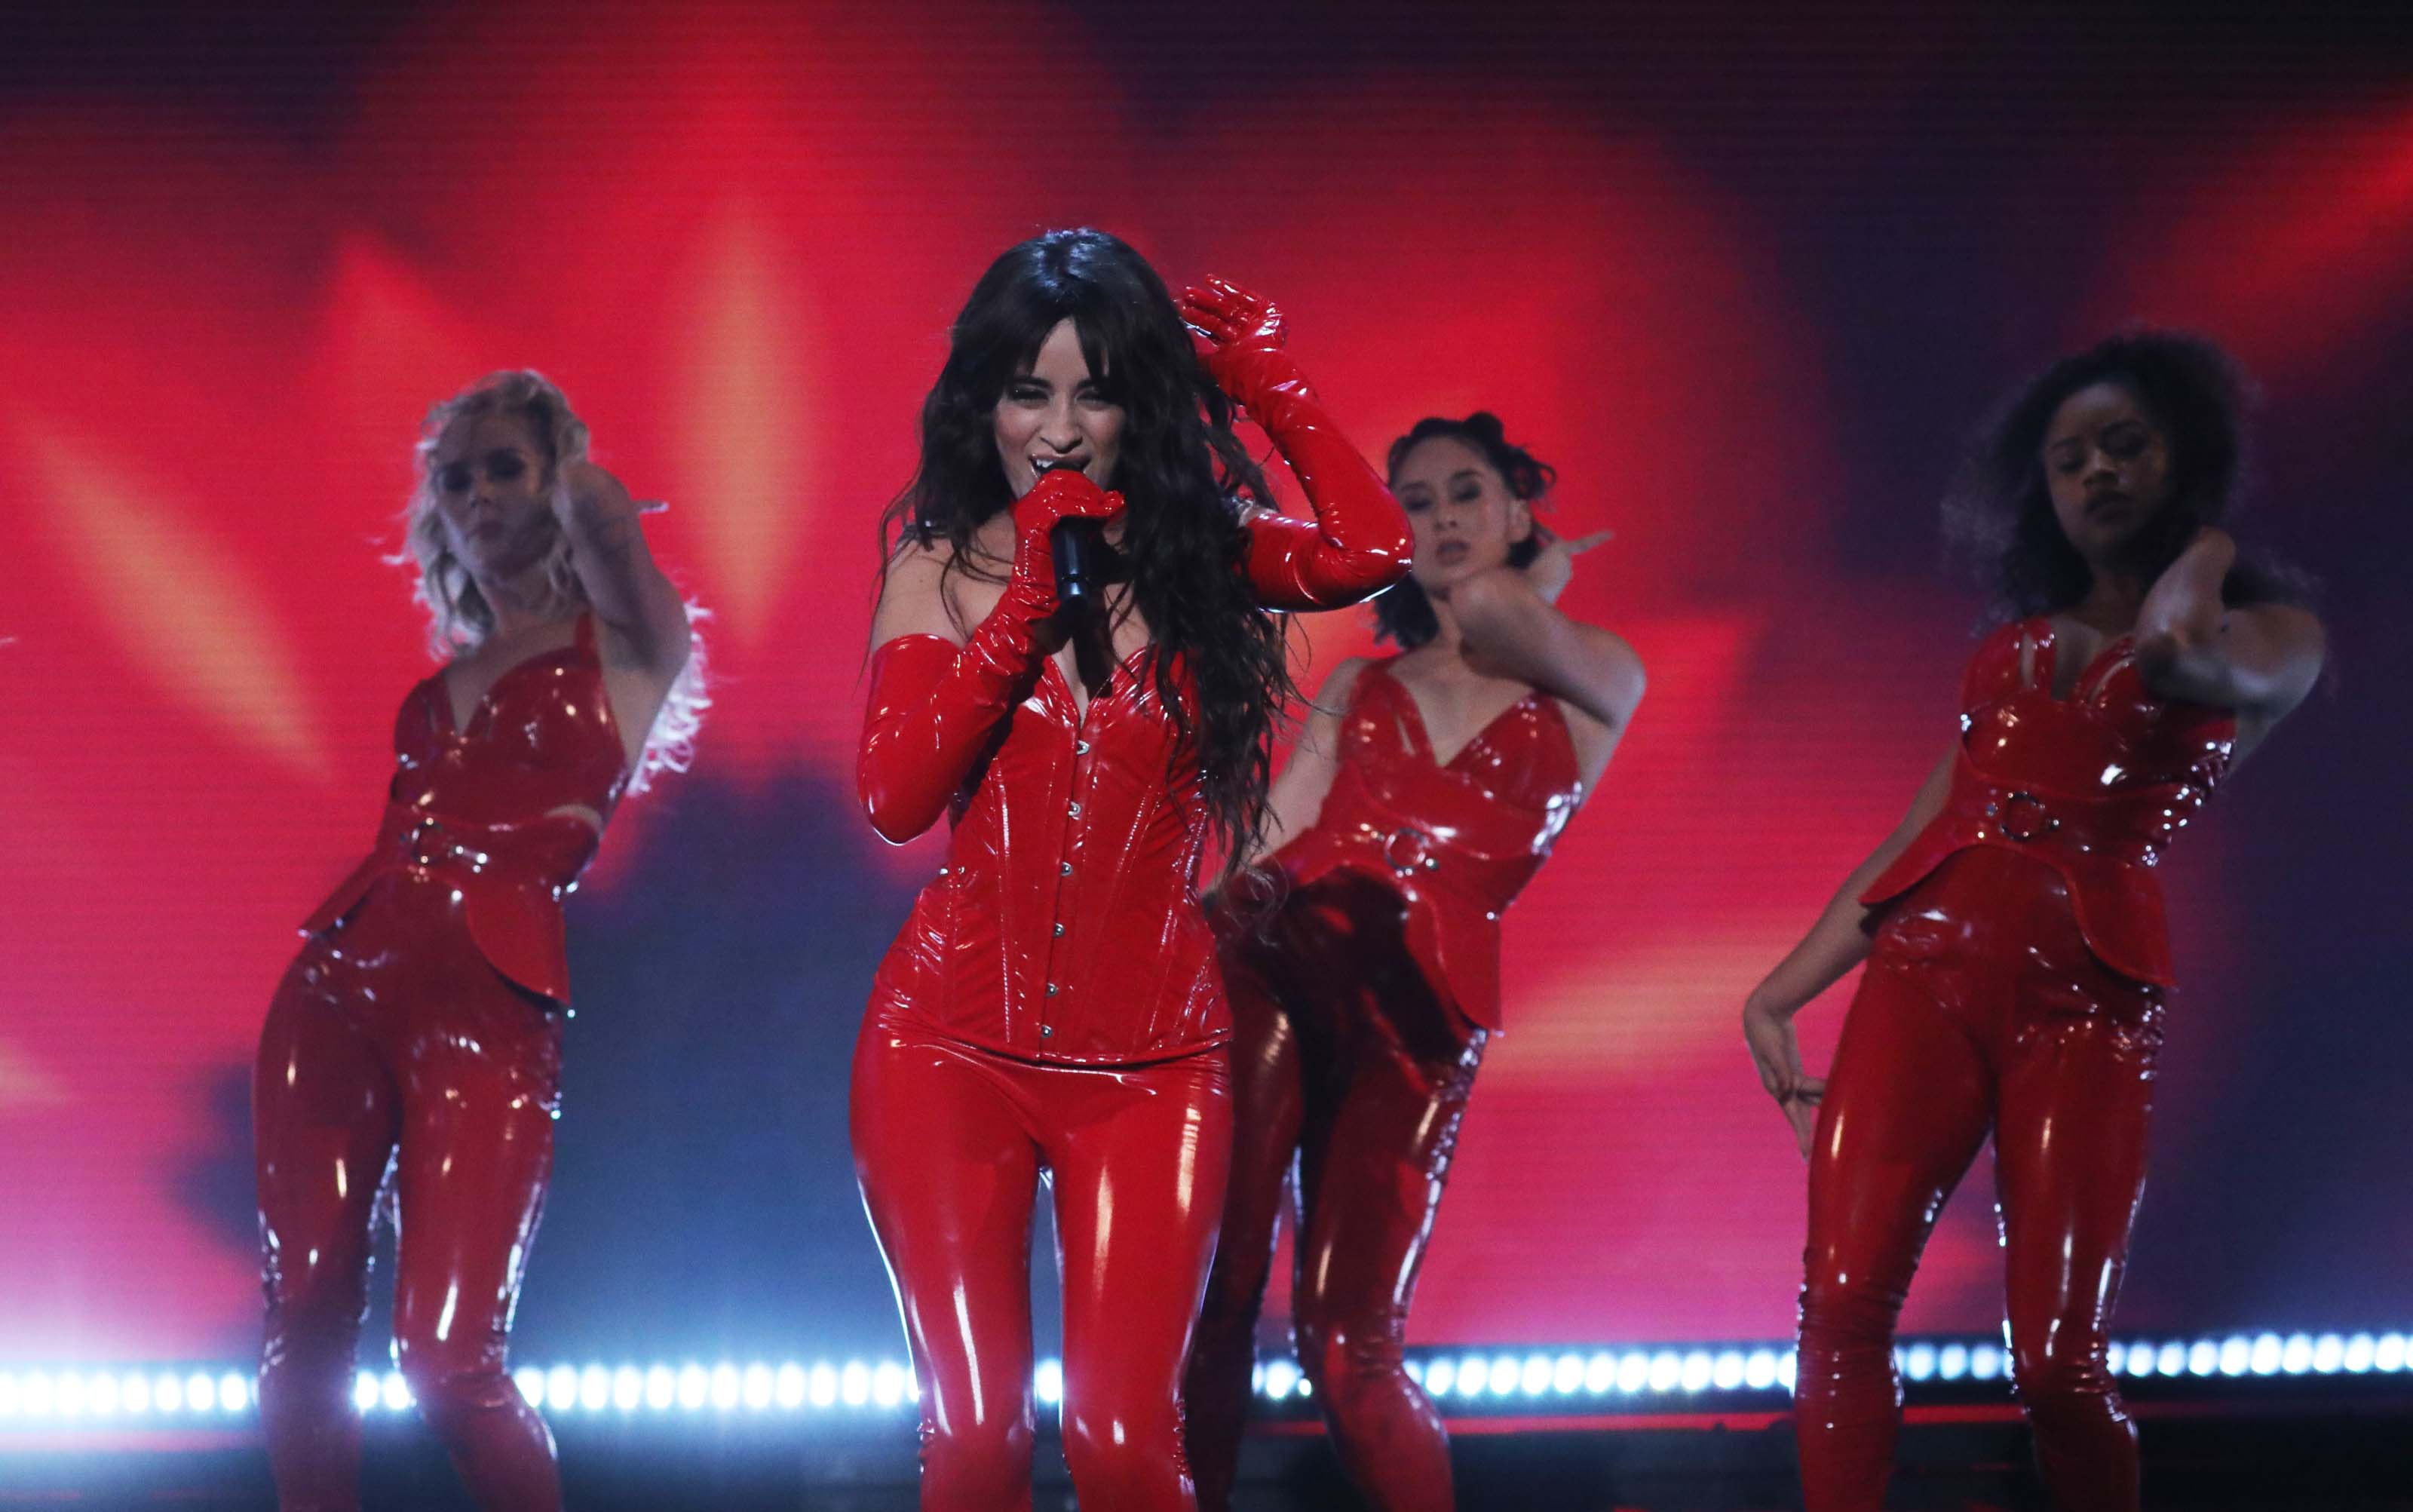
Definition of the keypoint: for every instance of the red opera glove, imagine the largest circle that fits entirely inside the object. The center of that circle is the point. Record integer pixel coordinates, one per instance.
(934, 705)
(1358, 543)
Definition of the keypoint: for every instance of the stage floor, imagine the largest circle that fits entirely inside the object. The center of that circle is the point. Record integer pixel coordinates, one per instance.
(2307, 1452)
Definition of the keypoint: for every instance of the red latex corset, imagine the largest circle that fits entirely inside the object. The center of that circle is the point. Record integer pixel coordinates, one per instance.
(475, 808)
(2094, 785)
(1458, 841)
(1065, 925)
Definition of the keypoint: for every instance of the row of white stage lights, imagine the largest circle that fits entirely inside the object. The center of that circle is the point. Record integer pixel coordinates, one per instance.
(49, 1395)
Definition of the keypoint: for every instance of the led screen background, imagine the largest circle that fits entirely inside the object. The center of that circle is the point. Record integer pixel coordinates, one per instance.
(1745, 287)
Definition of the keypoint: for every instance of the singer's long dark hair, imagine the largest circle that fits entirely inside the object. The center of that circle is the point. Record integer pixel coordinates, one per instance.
(1180, 468)
(1998, 513)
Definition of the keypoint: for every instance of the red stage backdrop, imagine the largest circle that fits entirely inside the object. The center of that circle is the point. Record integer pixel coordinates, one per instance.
(736, 235)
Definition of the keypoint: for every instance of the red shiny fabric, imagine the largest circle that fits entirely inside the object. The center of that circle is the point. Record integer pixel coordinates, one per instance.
(475, 806)
(1456, 842)
(413, 1045)
(1983, 1008)
(1361, 1009)
(950, 1143)
(2014, 988)
(2094, 785)
(1065, 925)
(395, 1053)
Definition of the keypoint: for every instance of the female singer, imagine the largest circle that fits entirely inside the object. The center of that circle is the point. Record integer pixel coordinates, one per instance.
(1052, 1004)
(420, 1030)
(1426, 792)
(2013, 924)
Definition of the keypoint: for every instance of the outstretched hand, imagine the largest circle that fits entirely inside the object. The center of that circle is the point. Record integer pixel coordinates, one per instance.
(1776, 1051)
(1554, 566)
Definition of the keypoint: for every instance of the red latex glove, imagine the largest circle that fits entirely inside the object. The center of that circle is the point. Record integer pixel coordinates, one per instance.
(1358, 543)
(935, 703)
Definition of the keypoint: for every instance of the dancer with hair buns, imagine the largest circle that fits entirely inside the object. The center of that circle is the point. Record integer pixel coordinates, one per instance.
(1363, 956)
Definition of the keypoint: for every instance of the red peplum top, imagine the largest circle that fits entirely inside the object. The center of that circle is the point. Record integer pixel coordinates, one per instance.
(476, 809)
(1457, 841)
(2094, 785)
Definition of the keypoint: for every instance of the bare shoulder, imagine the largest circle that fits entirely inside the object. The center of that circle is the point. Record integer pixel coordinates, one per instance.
(913, 593)
(1336, 688)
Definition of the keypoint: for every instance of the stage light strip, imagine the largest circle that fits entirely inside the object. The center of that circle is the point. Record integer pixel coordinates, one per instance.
(1459, 1378)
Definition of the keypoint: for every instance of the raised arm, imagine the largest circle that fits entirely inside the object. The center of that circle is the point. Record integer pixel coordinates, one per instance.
(937, 697)
(1838, 941)
(628, 591)
(1296, 796)
(1358, 542)
(2260, 659)
(1510, 621)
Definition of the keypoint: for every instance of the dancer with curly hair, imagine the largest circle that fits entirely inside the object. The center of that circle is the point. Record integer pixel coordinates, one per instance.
(2013, 924)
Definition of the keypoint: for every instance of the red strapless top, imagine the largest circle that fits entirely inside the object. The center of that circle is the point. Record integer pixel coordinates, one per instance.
(2096, 785)
(1065, 925)
(473, 808)
(1456, 842)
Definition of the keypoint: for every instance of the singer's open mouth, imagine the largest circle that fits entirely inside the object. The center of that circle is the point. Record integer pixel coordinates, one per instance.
(1047, 465)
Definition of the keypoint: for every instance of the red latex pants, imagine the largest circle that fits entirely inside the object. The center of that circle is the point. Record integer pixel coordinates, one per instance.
(1981, 1009)
(950, 1142)
(393, 1048)
(1346, 1062)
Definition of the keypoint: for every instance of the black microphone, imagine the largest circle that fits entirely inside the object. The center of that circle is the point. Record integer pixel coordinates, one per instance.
(1078, 548)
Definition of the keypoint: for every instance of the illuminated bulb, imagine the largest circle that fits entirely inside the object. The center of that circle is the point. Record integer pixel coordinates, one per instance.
(888, 1380)
(627, 1388)
(788, 1389)
(757, 1387)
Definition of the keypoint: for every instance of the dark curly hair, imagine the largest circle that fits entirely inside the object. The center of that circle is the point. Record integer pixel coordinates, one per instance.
(1182, 471)
(1998, 513)
(1404, 615)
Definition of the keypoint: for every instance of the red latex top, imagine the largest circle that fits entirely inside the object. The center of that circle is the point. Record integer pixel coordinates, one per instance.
(475, 808)
(1065, 925)
(1458, 841)
(2096, 785)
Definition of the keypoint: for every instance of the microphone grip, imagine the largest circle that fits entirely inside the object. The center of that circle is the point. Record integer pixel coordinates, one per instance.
(1078, 547)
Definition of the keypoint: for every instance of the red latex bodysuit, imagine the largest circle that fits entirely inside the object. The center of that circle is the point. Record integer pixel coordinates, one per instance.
(2015, 986)
(1052, 1004)
(1361, 1010)
(417, 1036)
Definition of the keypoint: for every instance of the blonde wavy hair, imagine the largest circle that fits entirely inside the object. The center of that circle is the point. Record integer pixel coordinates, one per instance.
(459, 618)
